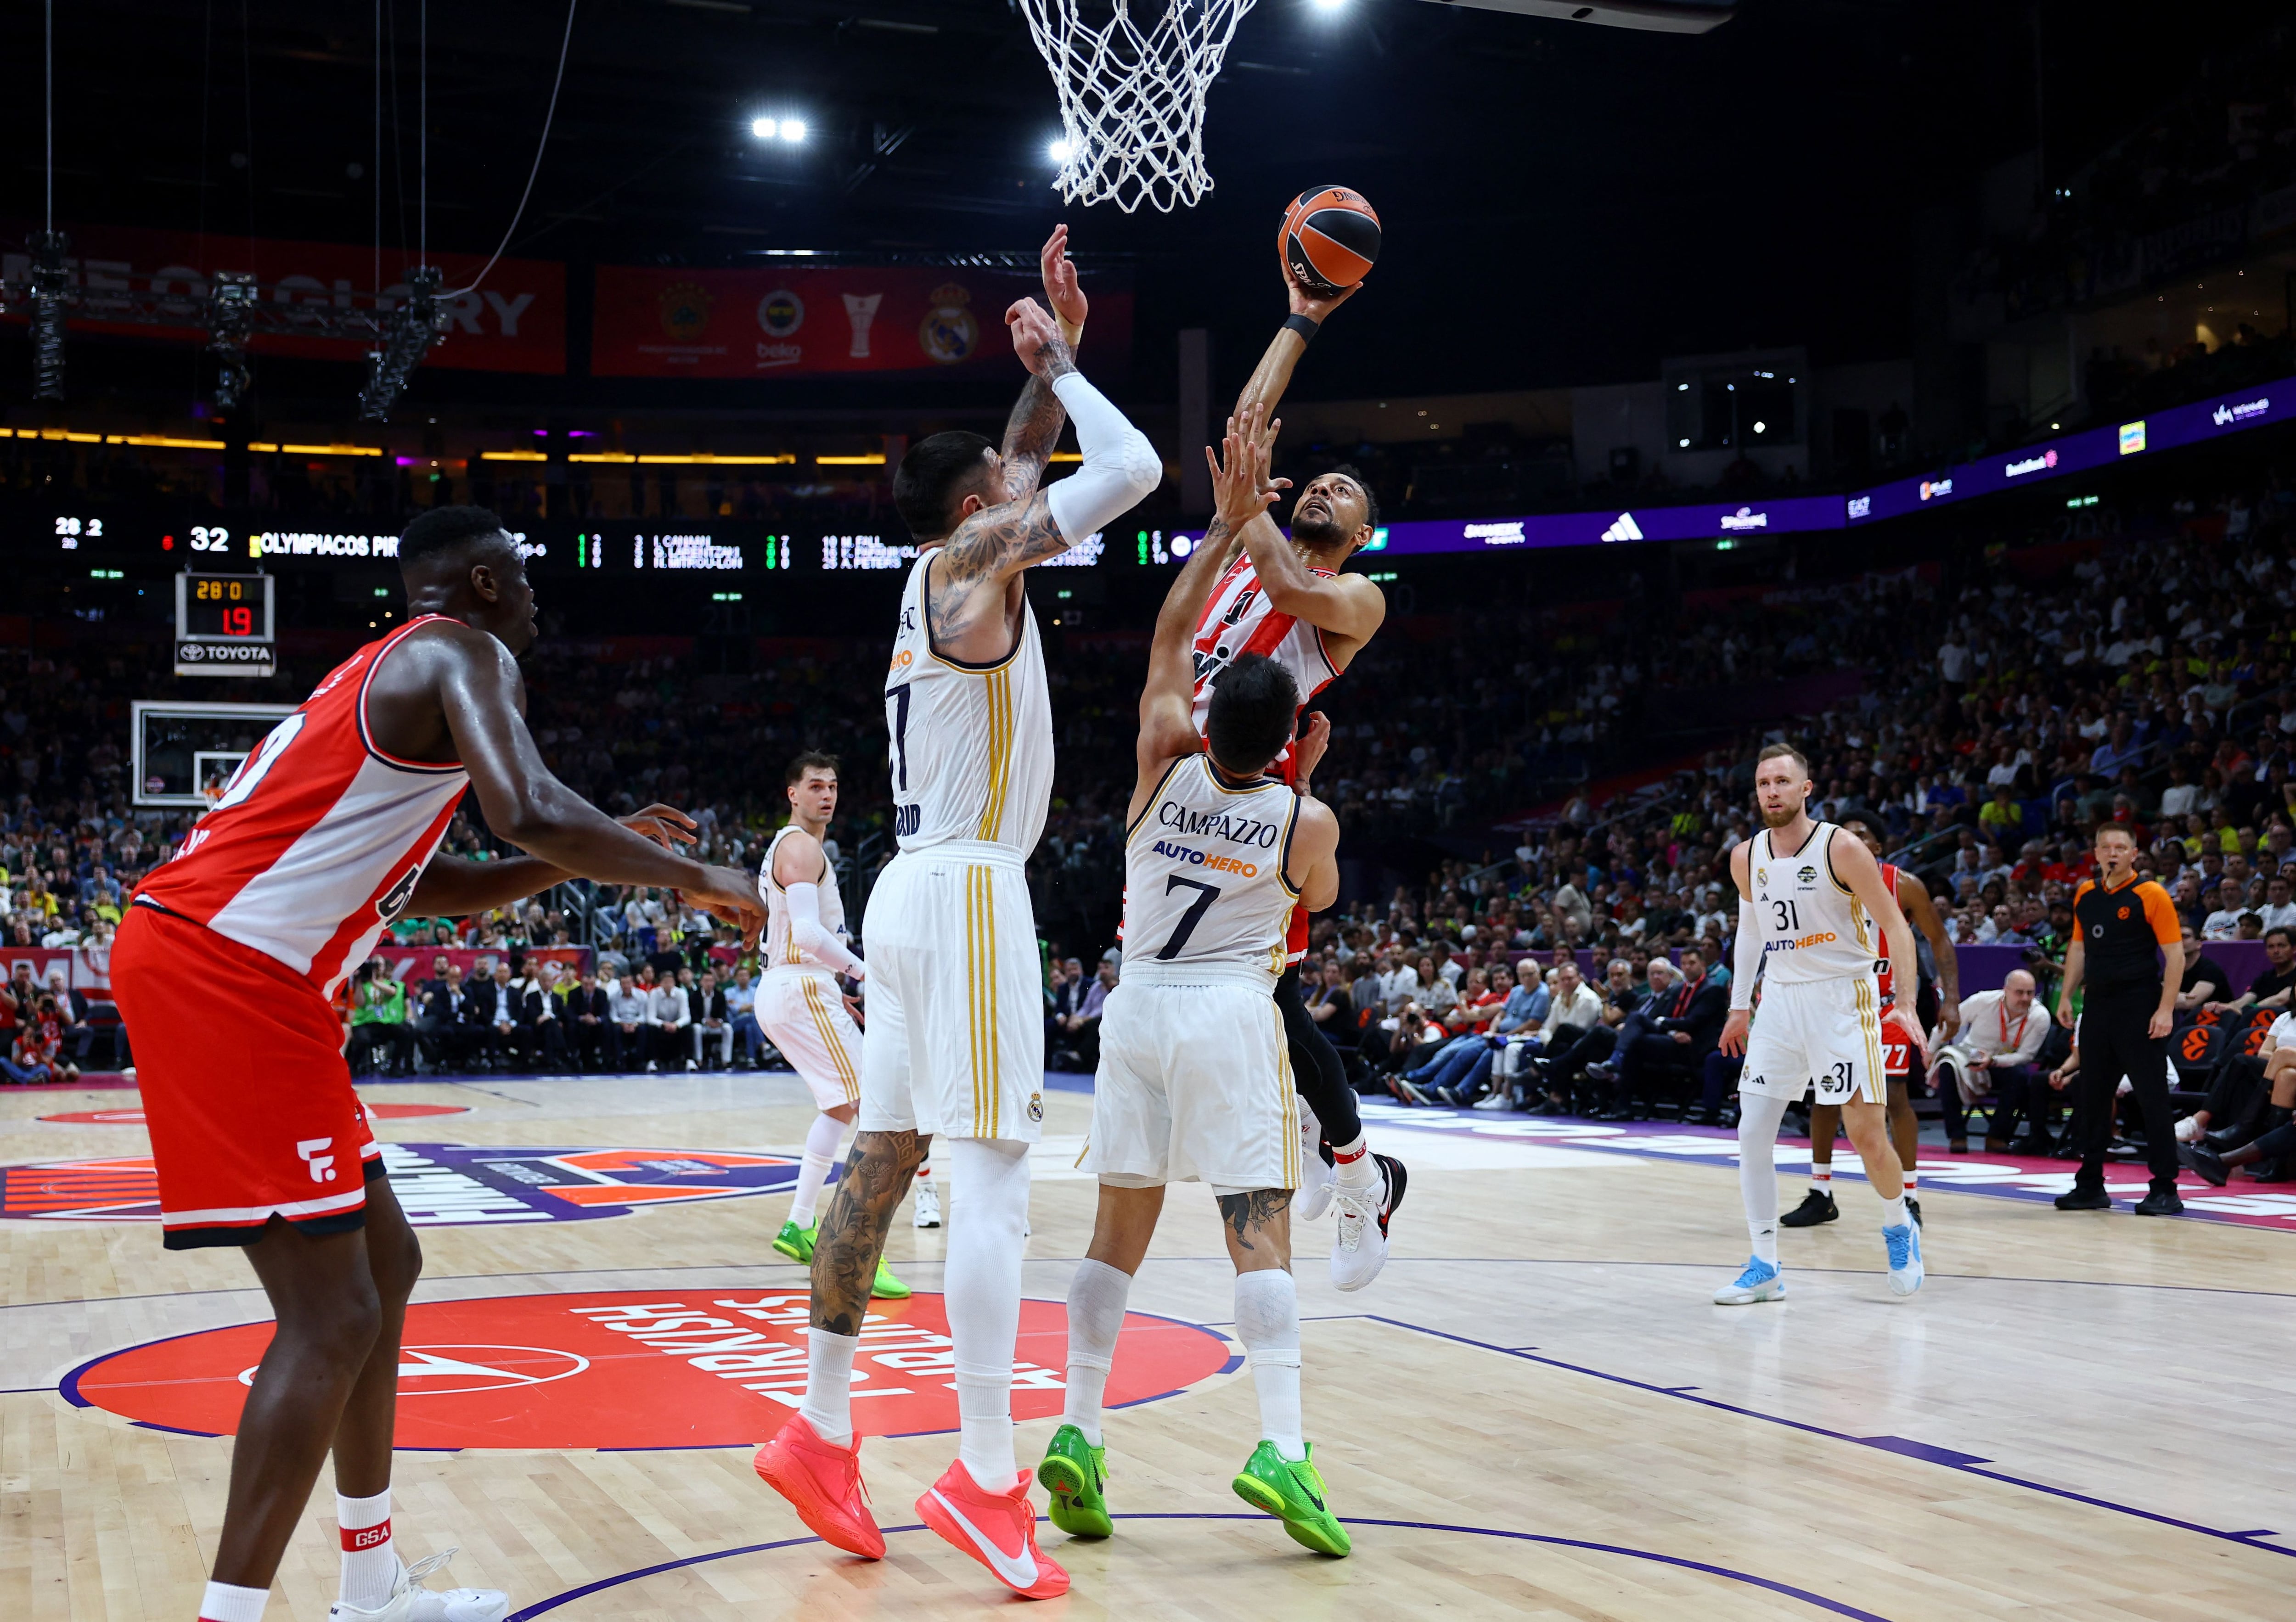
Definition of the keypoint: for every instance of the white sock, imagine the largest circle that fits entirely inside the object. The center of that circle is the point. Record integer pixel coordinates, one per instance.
(1354, 1164)
(1267, 1322)
(370, 1563)
(828, 1405)
(1893, 1213)
(988, 1228)
(222, 1602)
(1912, 1182)
(1096, 1298)
(1758, 1115)
(1821, 1179)
(820, 1154)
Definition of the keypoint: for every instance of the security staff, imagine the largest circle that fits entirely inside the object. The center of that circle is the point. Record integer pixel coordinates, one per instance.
(2124, 1025)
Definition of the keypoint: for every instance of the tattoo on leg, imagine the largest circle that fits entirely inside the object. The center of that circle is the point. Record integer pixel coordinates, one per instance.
(1244, 1212)
(852, 1236)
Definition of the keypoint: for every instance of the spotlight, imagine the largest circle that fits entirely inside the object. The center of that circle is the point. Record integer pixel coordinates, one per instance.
(792, 130)
(765, 129)
(1759, 427)
(1061, 150)
(1330, 5)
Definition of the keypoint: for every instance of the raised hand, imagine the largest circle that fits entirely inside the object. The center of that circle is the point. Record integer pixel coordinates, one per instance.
(1307, 752)
(1036, 339)
(1314, 307)
(1062, 290)
(1239, 488)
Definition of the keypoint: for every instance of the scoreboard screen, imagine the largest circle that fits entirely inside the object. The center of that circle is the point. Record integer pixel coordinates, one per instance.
(225, 625)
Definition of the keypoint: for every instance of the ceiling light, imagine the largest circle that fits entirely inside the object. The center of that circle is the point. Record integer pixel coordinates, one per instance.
(792, 130)
(1329, 6)
(1059, 151)
(1759, 427)
(765, 129)
(1682, 443)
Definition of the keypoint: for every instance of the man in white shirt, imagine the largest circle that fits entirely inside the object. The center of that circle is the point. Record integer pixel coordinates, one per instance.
(1991, 1062)
(670, 1015)
(1574, 1009)
(742, 1002)
(631, 1002)
(2279, 910)
(2223, 924)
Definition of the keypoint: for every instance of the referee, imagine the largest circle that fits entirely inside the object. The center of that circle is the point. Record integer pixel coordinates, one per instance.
(2119, 922)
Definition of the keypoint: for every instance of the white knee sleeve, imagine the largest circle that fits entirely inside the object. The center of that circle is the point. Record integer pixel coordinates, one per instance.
(1267, 1322)
(988, 1225)
(1096, 1299)
(1758, 1115)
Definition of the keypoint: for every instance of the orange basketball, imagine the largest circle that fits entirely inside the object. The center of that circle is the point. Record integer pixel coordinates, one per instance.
(1329, 237)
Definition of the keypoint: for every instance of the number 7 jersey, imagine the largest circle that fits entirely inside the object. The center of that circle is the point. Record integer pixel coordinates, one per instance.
(971, 755)
(1204, 885)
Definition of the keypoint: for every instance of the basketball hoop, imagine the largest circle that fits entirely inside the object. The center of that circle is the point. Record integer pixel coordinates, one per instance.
(1132, 100)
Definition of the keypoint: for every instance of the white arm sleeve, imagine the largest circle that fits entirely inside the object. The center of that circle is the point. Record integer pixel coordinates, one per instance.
(1746, 958)
(814, 941)
(1120, 468)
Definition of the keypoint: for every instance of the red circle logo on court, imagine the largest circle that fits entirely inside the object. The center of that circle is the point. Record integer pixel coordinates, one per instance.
(135, 1117)
(661, 1368)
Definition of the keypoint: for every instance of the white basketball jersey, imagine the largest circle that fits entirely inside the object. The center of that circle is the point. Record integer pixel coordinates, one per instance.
(1812, 928)
(1203, 872)
(972, 744)
(780, 951)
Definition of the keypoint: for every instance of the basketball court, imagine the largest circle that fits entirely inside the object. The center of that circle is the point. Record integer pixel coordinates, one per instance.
(1535, 1410)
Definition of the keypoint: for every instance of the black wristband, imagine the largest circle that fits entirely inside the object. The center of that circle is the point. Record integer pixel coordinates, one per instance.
(1302, 325)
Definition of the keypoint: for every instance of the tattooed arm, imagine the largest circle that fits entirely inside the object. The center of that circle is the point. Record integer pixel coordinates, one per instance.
(852, 1237)
(1034, 428)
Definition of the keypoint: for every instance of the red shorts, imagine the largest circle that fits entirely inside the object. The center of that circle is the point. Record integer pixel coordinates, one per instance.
(246, 1093)
(1903, 1052)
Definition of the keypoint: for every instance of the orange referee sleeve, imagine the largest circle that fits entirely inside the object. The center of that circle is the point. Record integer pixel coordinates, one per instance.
(2161, 913)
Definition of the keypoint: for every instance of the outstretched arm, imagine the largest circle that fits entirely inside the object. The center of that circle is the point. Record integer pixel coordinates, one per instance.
(453, 886)
(1033, 429)
(1269, 380)
(1343, 605)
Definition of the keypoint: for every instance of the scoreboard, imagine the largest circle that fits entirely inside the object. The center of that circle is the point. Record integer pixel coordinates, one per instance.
(225, 625)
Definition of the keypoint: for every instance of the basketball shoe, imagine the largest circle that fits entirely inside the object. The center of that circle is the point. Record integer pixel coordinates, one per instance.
(1359, 1245)
(998, 1529)
(927, 1213)
(1295, 1494)
(1076, 1473)
(823, 1484)
(1905, 1243)
(1315, 1195)
(1760, 1282)
(797, 1244)
(411, 1601)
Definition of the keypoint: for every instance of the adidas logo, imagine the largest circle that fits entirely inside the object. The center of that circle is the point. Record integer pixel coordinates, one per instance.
(1625, 530)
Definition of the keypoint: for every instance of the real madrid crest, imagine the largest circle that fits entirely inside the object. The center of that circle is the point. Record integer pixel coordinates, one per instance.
(684, 309)
(948, 331)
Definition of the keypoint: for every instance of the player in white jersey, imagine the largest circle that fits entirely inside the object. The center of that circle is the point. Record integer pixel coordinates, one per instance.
(955, 1041)
(800, 1006)
(1195, 1077)
(1813, 911)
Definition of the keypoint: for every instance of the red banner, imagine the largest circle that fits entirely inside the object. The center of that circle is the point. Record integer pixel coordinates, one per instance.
(515, 322)
(655, 322)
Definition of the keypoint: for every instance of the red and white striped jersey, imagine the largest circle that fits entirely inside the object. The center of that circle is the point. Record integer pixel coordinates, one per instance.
(317, 842)
(1238, 620)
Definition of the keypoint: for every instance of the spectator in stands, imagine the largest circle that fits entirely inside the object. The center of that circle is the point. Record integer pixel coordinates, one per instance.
(2278, 911)
(1991, 1062)
(670, 1014)
(741, 1003)
(588, 1012)
(1454, 1073)
(1673, 1031)
(79, 1036)
(2206, 981)
(1573, 1010)
(490, 1009)
(1065, 986)
(1082, 1029)
(632, 1002)
(440, 1030)
(2270, 988)
(541, 1036)
(379, 1032)
(713, 1022)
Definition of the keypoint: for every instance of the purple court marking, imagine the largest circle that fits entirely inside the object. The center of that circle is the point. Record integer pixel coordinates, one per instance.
(1944, 1457)
(1832, 1607)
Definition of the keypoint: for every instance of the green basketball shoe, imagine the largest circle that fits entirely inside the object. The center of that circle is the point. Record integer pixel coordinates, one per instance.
(797, 1244)
(1294, 1493)
(1076, 1473)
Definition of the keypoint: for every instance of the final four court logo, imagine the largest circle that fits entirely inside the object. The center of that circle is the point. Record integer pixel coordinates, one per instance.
(437, 1184)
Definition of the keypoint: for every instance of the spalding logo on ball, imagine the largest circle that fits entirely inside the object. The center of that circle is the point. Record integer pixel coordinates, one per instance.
(1330, 239)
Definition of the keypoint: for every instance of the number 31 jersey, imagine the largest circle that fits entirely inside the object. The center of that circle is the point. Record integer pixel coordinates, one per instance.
(1811, 927)
(1203, 872)
(971, 754)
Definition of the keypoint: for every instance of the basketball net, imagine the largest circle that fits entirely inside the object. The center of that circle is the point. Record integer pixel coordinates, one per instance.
(1132, 100)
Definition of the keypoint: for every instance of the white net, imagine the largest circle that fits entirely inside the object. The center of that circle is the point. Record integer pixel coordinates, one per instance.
(1132, 98)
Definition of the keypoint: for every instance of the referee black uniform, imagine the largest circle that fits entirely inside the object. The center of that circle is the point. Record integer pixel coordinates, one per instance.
(2121, 932)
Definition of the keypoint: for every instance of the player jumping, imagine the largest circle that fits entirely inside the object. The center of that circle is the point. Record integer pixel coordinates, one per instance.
(1291, 602)
(800, 1007)
(223, 970)
(1810, 898)
(1194, 1078)
(955, 1042)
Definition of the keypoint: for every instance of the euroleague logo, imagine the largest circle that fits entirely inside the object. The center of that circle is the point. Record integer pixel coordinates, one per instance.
(437, 1184)
(633, 1369)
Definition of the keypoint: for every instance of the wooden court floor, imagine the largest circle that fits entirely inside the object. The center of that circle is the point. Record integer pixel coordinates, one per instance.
(1535, 1413)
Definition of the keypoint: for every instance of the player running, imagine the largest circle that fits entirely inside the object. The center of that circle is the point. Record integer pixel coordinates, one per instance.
(1905, 1044)
(223, 970)
(1290, 602)
(800, 1007)
(1810, 898)
(955, 1042)
(1195, 1080)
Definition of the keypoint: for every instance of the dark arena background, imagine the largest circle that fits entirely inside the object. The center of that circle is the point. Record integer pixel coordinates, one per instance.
(1911, 384)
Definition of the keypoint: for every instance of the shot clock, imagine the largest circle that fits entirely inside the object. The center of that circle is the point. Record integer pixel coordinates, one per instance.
(225, 625)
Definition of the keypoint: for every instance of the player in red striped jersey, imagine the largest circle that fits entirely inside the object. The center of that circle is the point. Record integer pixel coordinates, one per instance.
(223, 970)
(1290, 599)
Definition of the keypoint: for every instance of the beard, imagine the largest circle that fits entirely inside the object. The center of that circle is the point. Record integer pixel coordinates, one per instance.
(1317, 530)
(1778, 819)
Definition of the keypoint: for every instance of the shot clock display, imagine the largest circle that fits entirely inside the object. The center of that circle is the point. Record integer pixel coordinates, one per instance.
(225, 625)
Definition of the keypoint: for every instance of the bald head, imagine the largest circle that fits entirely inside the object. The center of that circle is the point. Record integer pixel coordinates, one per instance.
(2017, 993)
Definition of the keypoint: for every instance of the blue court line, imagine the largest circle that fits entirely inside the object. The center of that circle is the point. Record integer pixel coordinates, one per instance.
(1968, 1464)
(1832, 1607)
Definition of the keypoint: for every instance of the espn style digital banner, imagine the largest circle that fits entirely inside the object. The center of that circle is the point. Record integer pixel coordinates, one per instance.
(834, 321)
(515, 322)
